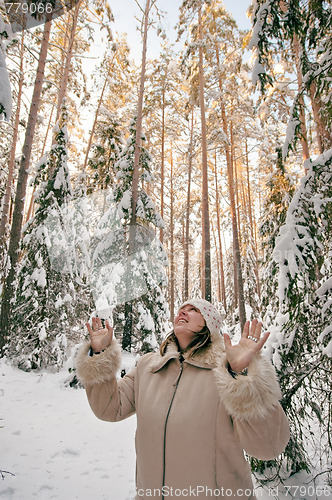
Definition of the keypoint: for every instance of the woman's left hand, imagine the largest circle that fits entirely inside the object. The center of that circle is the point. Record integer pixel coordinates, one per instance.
(240, 355)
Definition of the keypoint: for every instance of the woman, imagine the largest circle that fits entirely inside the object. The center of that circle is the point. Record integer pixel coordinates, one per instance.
(199, 403)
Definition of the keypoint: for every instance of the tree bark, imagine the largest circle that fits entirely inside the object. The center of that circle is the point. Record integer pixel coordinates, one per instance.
(162, 169)
(186, 240)
(132, 226)
(11, 164)
(171, 259)
(15, 236)
(32, 201)
(221, 260)
(304, 134)
(252, 220)
(236, 183)
(238, 282)
(218, 261)
(236, 245)
(65, 76)
(324, 138)
(139, 115)
(206, 250)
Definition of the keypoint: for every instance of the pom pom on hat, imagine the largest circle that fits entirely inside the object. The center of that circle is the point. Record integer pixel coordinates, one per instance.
(209, 313)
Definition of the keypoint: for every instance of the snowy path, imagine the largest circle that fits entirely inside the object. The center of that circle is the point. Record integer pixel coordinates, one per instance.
(58, 449)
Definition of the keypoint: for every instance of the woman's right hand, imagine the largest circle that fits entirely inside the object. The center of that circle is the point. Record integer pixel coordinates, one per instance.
(100, 336)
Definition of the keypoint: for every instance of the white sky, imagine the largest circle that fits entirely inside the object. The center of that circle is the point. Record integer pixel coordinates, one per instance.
(124, 12)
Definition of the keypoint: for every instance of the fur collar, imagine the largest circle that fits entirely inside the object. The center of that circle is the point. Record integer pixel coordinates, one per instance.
(244, 397)
(208, 357)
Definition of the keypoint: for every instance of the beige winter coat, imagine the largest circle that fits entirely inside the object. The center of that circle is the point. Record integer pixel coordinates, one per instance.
(193, 419)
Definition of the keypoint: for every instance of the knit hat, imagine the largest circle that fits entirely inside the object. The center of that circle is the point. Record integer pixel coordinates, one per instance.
(209, 313)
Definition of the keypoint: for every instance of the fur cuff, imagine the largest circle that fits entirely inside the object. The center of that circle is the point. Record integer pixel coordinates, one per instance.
(100, 367)
(250, 396)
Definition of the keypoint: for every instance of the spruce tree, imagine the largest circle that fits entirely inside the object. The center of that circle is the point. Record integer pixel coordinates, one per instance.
(105, 150)
(304, 30)
(44, 309)
(304, 350)
(141, 309)
(300, 346)
(281, 188)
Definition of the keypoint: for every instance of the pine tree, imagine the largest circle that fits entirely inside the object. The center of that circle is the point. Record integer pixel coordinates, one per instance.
(189, 10)
(15, 236)
(5, 93)
(304, 29)
(6, 201)
(281, 189)
(114, 79)
(304, 350)
(142, 311)
(301, 346)
(44, 310)
(220, 34)
(105, 150)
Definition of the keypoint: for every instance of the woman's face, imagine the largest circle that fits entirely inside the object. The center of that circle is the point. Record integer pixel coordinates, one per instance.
(187, 323)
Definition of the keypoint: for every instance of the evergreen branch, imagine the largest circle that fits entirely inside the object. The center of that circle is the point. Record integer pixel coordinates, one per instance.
(290, 393)
(319, 474)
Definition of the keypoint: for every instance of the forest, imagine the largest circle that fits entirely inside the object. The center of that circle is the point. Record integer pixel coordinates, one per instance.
(127, 187)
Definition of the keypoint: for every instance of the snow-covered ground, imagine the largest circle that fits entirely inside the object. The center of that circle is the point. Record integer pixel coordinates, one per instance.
(55, 448)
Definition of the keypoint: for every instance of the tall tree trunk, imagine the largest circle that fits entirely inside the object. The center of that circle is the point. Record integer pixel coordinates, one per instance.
(304, 135)
(230, 177)
(236, 245)
(206, 271)
(186, 240)
(172, 273)
(162, 169)
(126, 342)
(218, 261)
(30, 210)
(128, 327)
(139, 114)
(236, 183)
(11, 164)
(15, 235)
(221, 260)
(324, 138)
(65, 75)
(251, 219)
(94, 125)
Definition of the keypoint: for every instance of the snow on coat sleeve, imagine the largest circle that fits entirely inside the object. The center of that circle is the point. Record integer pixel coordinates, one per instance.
(110, 399)
(253, 403)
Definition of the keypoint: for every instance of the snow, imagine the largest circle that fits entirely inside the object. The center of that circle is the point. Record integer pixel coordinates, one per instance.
(5, 90)
(290, 131)
(55, 446)
(125, 204)
(60, 179)
(39, 275)
(257, 70)
(56, 449)
(42, 332)
(173, 67)
(320, 160)
(328, 349)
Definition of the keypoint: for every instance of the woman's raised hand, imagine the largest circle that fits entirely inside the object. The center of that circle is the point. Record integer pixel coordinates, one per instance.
(100, 336)
(240, 355)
